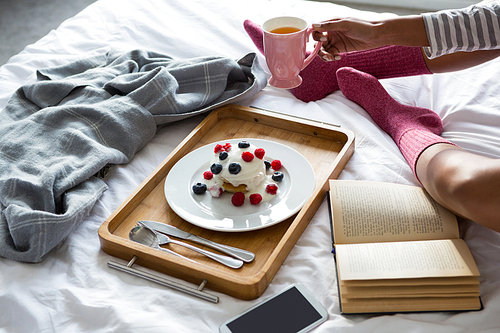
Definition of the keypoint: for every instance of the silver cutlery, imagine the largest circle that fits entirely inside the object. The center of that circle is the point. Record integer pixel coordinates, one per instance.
(164, 239)
(146, 236)
(163, 228)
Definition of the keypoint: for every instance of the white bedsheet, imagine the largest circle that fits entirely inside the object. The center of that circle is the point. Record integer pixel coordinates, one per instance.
(73, 290)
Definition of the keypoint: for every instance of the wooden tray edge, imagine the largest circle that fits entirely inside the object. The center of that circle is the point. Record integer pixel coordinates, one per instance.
(248, 287)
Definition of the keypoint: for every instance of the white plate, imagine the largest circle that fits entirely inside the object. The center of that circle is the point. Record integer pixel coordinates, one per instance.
(219, 213)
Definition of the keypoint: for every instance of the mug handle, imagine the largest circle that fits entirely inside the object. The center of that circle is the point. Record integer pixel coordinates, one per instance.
(313, 53)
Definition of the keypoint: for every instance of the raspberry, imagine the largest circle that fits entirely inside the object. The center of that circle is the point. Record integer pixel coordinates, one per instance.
(276, 165)
(217, 149)
(247, 156)
(208, 175)
(259, 153)
(271, 189)
(238, 199)
(255, 198)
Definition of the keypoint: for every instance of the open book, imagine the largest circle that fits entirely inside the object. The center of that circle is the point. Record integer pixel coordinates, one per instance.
(397, 250)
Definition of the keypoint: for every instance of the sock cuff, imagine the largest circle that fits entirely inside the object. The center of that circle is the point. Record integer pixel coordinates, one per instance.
(388, 61)
(413, 143)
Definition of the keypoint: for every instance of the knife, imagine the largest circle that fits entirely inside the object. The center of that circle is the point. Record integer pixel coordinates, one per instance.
(244, 255)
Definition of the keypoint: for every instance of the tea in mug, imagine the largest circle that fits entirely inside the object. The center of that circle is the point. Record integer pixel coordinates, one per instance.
(284, 30)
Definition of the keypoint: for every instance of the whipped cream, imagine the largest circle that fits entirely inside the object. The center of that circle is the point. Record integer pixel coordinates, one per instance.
(252, 174)
(242, 164)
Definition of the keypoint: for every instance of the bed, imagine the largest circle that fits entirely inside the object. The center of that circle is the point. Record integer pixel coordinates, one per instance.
(73, 289)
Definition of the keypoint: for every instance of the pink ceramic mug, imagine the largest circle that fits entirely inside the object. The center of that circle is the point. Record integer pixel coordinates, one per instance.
(285, 41)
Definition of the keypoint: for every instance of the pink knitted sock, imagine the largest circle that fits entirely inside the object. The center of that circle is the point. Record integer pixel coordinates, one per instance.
(319, 78)
(412, 128)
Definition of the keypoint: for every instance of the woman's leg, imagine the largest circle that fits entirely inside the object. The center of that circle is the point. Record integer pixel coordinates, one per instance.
(413, 129)
(466, 183)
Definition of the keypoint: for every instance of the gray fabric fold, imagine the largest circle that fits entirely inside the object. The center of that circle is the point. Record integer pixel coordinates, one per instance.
(58, 132)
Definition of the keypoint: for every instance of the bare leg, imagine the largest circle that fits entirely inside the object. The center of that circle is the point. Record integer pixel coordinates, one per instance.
(466, 183)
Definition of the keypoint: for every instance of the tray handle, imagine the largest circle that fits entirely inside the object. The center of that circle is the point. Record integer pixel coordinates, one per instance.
(197, 292)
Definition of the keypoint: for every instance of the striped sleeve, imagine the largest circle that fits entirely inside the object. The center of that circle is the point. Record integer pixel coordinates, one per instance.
(474, 28)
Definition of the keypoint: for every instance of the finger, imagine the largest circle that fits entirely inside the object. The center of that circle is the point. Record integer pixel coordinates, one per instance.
(334, 24)
(328, 55)
(325, 56)
(319, 37)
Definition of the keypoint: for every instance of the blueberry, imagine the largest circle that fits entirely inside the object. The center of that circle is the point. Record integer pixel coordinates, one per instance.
(223, 155)
(243, 144)
(199, 188)
(234, 168)
(216, 168)
(277, 176)
(268, 165)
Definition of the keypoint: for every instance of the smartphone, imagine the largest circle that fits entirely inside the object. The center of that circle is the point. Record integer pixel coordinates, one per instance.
(293, 310)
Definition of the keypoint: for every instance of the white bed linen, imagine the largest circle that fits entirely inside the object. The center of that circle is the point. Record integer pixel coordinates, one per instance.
(73, 290)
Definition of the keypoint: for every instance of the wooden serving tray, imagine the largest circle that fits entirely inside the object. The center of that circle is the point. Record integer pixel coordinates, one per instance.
(327, 147)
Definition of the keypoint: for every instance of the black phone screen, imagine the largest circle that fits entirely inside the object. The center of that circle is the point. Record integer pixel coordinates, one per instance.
(290, 312)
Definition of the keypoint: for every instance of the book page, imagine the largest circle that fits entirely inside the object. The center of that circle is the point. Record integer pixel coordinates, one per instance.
(420, 259)
(380, 212)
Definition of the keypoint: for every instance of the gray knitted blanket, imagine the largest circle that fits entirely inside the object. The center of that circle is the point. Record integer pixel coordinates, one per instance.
(58, 132)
